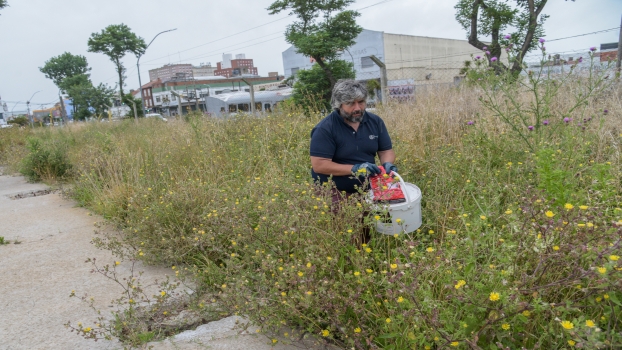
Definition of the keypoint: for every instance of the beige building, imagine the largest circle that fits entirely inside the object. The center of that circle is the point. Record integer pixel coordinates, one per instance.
(203, 70)
(410, 60)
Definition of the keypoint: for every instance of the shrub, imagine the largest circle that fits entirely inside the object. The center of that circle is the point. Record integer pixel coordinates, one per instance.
(46, 160)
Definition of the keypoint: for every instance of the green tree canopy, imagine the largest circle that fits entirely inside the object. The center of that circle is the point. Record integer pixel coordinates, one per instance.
(65, 66)
(3, 4)
(323, 29)
(89, 100)
(313, 91)
(115, 41)
(494, 18)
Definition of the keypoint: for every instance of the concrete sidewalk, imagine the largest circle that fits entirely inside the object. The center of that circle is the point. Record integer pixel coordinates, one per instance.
(38, 274)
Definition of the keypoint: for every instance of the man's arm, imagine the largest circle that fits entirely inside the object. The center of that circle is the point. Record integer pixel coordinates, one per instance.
(386, 156)
(326, 166)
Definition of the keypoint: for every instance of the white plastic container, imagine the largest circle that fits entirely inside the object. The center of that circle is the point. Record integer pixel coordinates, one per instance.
(406, 216)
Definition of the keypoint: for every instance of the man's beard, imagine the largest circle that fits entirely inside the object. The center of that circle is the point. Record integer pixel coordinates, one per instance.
(354, 117)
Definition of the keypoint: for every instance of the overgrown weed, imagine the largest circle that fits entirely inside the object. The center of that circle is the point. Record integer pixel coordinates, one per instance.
(520, 244)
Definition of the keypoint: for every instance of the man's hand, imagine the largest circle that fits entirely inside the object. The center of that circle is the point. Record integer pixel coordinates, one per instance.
(365, 169)
(389, 167)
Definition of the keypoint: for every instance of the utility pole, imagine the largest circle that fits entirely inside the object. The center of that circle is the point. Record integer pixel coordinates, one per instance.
(142, 96)
(174, 93)
(63, 112)
(383, 77)
(252, 91)
(28, 107)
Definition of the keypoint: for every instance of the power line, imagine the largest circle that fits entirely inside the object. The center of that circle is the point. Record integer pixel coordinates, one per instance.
(575, 36)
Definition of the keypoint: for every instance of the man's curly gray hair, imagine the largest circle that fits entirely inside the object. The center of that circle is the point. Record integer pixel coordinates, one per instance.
(348, 90)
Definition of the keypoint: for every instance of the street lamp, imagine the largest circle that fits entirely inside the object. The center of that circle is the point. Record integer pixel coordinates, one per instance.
(28, 107)
(142, 96)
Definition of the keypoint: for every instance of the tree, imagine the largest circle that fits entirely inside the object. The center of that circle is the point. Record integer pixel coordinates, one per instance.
(3, 4)
(89, 100)
(65, 66)
(493, 17)
(115, 41)
(323, 29)
(313, 90)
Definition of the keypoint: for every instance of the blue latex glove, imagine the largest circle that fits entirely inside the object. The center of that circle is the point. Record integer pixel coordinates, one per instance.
(365, 169)
(389, 167)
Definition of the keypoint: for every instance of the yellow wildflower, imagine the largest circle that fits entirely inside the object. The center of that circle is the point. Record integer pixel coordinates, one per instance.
(400, 300)
(602, 270)
(583, 207)
(614, 257)
(460, 284)
(483, 217)
(325, 333)
(505, 326)
(369, 270)
(568, 206)
(567, 325)
(549, 214)
(429, 249)
(394, 266)
(508, 212)
(455, 343)
(356, 273)
(300, 273)
(494, 296)
(357, 330)
(590, 323)
(388, 320)
(526, 313)
(571, 342)
(556, 247)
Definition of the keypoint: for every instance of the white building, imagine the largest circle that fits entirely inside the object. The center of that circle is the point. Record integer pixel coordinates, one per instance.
(410, 60)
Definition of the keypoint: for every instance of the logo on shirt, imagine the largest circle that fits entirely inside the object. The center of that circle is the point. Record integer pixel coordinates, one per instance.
(371, 137)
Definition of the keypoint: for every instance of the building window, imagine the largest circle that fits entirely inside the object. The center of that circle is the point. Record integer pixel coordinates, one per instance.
(233, 108)
(267, 107)
(295, 70)
(366, 62)
(158, 99)
(243, 107)
(258, 106)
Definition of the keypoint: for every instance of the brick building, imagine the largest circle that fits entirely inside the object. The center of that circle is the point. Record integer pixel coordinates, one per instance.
(235, 67)
(170, 71)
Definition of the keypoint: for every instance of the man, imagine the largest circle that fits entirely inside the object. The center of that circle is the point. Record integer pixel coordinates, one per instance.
(345, 143)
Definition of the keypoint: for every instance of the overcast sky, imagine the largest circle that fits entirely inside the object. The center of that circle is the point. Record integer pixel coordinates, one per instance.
(33, 31)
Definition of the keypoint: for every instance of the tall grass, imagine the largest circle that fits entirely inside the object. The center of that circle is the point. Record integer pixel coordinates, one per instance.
(520, 245)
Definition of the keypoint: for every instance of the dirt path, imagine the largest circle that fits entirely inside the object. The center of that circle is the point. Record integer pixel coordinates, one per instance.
(38, 274)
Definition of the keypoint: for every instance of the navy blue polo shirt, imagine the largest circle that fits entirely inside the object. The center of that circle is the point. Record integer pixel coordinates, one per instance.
(334, 139)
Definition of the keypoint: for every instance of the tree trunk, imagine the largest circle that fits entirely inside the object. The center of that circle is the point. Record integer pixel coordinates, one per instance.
(120, 72)
(534, 12)
(327, 71)
(473, 40)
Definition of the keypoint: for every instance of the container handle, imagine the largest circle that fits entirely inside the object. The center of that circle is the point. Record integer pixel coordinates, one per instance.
(402, 185)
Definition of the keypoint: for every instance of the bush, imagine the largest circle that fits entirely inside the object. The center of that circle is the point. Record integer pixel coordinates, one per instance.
(46, 161)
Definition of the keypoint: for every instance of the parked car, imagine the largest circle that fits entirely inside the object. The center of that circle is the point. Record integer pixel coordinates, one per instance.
(155, 115)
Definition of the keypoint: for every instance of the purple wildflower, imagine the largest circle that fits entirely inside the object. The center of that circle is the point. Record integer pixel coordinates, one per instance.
(543, 48)
(470, 122)
(493, 59)
(593, 48)
(485, 48)
(477, 57)
(580, 60)
(488, 53)
(567, 120)
(546, 122)
(508, 37)
(605, 111)
(507, 49)
(530, 127)
(541, 40)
